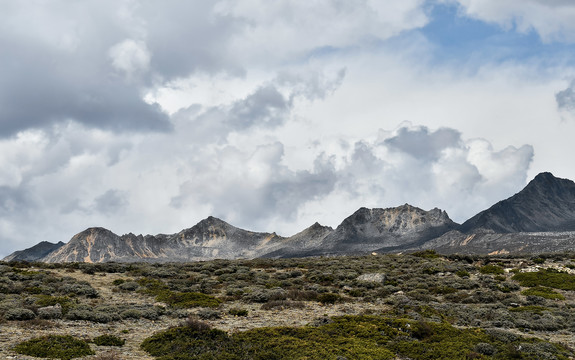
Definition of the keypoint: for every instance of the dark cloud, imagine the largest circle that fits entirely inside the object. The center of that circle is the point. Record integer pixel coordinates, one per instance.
(53, 73)
(423, 144)
(566, 99)
(264, 189)
(266, 107)
(110, 202)
(188, 36)
(13, 200)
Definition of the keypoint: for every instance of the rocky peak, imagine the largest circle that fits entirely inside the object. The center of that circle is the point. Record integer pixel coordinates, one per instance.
(547, 203)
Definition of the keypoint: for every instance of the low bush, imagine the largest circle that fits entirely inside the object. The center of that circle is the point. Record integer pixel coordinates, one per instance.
(19, 314)
(492, 269)
(238, 312)
(347, 337)
(188, 299)
(543, 292)
(530, 308)
(548, 277)
(209, 314)
(108, 340)
(63, 347)
(328, 298)
(47, 300)
(283, 304)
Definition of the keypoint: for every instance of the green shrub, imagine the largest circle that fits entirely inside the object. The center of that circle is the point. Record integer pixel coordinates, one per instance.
(188, 299)
(46, 300)
(19, 314)
(283, 304)
(538, 260)
(63, 347)
(347, 337)
(530, 308)
(548, 277)
(129, 286)
(427, 254)
(238, 312)
(492, 269)
(328, 298)
(462, 273)
(543, 292)
(109, 340)
(209, 314)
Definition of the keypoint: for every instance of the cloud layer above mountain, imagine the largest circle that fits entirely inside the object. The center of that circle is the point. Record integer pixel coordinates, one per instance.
(147, 117)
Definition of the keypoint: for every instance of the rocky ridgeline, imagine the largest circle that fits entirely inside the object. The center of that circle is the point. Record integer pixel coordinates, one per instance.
(540, 218)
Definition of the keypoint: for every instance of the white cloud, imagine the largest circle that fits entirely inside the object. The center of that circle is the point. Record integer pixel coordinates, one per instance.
(552, 20)
(130, 56)
(278, 30)
(268, 114)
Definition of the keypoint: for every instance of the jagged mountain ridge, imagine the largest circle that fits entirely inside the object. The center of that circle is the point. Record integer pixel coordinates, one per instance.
(364, 231)
(526, 222)
(211, 238)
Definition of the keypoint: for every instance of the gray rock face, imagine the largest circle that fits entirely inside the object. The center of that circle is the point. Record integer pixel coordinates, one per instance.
(378, 278)
(389, 229)
(210, 239)
(547, 203)
(491, 243)
(34, 253)
(306, 242)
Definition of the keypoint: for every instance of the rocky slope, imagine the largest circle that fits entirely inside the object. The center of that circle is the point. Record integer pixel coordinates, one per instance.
(382, 230)
(547, 203)
(36, 252)
(209, 239)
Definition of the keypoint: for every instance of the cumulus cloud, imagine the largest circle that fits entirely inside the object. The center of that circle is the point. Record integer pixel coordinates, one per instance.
(147, 117)
(287, 29)
(130, 56)
(552, 20)
(252, 188)
(420, 143)
(565, 100)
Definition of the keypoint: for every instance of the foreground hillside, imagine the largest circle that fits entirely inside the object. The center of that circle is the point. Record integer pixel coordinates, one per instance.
(420, 306)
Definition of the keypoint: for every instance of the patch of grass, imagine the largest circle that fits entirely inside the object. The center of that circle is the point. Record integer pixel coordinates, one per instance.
(530, 308)
(543, 292)
(63, 347)
(547, 277)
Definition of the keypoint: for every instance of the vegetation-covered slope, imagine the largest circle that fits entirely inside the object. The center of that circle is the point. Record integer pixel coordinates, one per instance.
(420, 306)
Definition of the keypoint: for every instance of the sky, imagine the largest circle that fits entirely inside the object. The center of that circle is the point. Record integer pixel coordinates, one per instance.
(148, 116)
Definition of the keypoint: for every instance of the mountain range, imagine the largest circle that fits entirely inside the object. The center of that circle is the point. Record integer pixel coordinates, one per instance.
(538, 219)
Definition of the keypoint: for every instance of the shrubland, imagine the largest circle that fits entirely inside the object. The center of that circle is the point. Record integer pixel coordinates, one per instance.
(417, 306)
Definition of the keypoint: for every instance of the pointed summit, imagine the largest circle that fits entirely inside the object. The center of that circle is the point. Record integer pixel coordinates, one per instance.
(547, 203)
